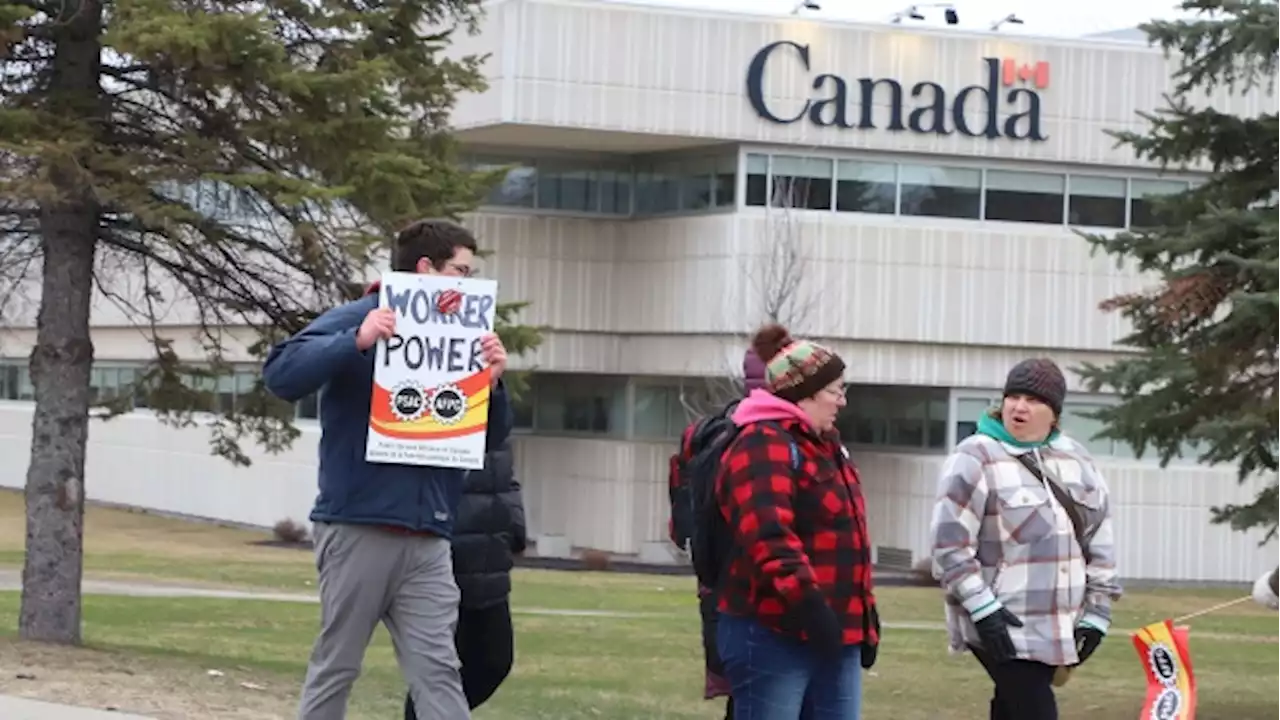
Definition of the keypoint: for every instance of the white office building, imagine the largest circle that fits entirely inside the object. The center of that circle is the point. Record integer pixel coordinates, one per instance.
(909, 196)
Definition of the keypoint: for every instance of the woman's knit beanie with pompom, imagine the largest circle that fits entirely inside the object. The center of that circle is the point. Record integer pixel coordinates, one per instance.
(795, 369)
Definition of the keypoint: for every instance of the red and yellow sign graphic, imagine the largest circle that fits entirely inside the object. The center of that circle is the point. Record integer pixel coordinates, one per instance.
(409, 411)
(1171, 685)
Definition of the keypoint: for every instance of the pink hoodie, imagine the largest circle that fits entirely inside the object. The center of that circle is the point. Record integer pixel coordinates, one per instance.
(762, 405)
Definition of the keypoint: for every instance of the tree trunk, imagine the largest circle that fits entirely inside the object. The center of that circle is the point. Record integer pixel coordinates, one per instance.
(63, 355)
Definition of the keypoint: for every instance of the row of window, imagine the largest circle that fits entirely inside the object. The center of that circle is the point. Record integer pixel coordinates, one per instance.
(593, 405)
(649, 409)
(903, 417)
(109, 381)
(698, 183)
(926, 190)
(913, 418)
(687, 184)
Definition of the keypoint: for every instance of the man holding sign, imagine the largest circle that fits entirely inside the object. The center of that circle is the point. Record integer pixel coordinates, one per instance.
(390, 481)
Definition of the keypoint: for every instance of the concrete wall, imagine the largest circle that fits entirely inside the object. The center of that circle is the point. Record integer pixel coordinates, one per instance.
(611, 495)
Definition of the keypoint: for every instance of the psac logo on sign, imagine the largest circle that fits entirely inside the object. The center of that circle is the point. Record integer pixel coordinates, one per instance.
(1171, 684)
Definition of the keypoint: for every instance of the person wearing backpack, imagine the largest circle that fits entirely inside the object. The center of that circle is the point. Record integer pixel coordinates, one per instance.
(488, 533)
(693, 472)
(798, 621)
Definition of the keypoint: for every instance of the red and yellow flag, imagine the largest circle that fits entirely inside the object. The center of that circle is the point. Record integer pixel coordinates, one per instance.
(1171, 686)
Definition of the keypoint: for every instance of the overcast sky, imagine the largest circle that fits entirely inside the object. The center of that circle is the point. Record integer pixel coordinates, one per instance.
(1070, 18)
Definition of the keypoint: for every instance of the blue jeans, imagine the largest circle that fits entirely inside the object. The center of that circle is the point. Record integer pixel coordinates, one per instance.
(778, 678)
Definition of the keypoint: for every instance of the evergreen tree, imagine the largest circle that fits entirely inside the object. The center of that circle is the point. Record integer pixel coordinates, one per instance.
(219, 165)
(1203, 379)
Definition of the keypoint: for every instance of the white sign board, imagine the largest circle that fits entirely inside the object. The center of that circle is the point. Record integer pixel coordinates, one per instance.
(430, 383)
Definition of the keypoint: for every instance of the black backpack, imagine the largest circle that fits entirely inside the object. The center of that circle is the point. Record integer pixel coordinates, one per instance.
(696, 521)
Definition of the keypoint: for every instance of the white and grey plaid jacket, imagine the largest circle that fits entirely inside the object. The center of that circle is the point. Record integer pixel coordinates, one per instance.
(1000, 538)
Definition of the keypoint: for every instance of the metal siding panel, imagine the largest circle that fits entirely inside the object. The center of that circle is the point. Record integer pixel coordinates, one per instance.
(690, 79)
(602, 494)
(492, 39)
(1161, 516)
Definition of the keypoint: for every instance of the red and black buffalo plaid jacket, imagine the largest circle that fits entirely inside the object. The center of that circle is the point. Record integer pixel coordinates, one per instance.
(796, 530)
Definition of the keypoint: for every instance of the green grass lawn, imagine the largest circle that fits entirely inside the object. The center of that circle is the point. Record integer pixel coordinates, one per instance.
(578, 667)
(567, 667)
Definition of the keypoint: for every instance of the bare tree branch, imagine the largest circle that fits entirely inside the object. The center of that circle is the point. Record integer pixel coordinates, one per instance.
(777, 286)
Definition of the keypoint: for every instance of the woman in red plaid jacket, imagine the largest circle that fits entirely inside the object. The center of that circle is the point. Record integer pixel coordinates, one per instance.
(798, 621)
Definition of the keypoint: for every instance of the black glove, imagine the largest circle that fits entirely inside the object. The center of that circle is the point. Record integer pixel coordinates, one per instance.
(1087, 640)
(823, 628)
(993, 630)
(869, 649)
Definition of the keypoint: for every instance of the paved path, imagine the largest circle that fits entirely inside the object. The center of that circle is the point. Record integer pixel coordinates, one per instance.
(12, 580)
(12, 708)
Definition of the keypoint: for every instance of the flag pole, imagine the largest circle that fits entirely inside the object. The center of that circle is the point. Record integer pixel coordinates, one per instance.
(1062, 673)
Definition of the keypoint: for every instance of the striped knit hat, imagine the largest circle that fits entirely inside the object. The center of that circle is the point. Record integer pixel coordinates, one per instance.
(795, 369)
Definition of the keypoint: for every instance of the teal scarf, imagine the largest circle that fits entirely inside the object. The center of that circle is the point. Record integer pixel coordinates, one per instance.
(993, 428)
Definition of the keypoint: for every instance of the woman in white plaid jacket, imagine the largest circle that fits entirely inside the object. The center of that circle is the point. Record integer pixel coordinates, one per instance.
(1022, 544)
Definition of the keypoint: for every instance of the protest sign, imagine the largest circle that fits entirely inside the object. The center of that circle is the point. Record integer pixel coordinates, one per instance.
(430, 383)
(1166, 658)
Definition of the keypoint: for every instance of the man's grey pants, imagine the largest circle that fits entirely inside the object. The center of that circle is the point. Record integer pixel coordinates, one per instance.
(368, 575)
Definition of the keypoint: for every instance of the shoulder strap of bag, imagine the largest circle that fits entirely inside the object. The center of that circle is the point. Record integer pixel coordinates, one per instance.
(791, 444)
(1064, 499)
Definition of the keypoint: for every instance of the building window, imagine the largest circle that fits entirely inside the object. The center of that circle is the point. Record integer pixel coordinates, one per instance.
(968, 411)
(726, 180)
(658, 188)
(206, 387)
(801, 182)
(9, 380)
(931, 191)
(697, 184)
(523, 404)
(657, 408)
(1082, 429)
(757, 180)
(1025, 197)
(26, 390)
(1097, 201)
(662, 409)
(562, 187)
(131, 382)
(106, 382)
(516, 189)
(627, 186)
(581, 404)
(902, 417)
(1141, 212)
(866, 187)
(615, 191)
(913, 189)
